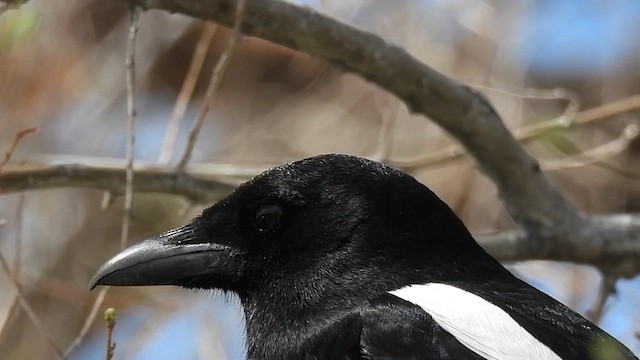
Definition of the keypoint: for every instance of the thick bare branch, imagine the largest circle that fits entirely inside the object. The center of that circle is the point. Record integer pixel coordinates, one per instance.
(149, 179)
(610, 242)
(463, 112)
(552, 228)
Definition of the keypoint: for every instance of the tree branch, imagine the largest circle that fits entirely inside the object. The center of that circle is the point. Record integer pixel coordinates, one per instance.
(214, 83)
(463, 112)
(113, 179)
(610, 242)
(551, 228)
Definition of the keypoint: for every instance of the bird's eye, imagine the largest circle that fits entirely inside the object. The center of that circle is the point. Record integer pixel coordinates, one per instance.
(267, 217)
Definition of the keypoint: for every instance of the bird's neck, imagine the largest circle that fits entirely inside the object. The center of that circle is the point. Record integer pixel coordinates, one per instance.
(286, 327)
(286, 312)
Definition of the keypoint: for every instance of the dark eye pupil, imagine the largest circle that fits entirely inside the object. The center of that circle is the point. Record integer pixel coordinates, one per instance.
(267, 217)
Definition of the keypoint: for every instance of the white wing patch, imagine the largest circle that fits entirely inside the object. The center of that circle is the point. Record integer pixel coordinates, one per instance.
(479, 325)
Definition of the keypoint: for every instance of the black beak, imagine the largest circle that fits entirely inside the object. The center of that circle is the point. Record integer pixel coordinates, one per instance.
(168, 259)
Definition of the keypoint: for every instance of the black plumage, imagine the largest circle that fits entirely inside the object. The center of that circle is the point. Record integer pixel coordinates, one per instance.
(314, 250)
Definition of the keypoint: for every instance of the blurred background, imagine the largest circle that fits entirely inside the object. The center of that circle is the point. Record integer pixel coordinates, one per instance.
(62, 71)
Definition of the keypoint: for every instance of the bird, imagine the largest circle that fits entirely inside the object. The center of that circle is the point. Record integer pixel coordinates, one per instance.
(340, 257)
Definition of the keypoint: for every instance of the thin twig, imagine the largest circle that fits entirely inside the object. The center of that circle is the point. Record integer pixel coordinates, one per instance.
(15, 302)
(22, 300)
(19, 135)
(110, 318)
(527, 133)
(88, 321)
(566, 118)
(218, 71)
(173, 127)
(385, 136)
(17, 264)
(131, 112)
(131, 121)
(60, 290)
(596, 154)
(597, 310)
(29, 310)
(609, 110)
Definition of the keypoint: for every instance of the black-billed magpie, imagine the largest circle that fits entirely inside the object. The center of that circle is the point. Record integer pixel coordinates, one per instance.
(338, 257)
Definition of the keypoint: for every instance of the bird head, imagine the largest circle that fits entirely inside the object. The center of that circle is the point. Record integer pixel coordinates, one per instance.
(327, 223)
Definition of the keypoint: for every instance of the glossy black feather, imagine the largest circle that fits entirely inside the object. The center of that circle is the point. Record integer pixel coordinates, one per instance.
(313, 249)
(398, 330)
(566, 332)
